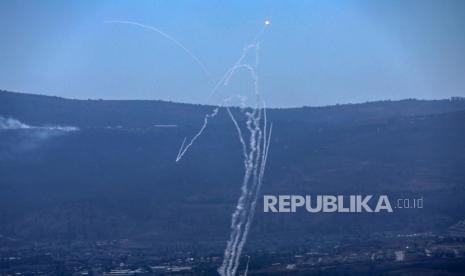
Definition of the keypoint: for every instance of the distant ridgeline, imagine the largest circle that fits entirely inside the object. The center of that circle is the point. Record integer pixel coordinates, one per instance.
(39, 109)
(115, 176)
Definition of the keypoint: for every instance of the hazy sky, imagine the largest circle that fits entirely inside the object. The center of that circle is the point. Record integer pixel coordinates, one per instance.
(313, 53)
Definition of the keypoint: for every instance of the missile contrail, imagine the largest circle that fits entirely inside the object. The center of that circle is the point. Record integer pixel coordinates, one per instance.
(255, 148)
(183, 148)
(255, 156)
(169, 37)
(247, 266)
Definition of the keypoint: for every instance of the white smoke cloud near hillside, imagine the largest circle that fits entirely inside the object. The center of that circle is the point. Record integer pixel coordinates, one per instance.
(14, 124)
(28, 137)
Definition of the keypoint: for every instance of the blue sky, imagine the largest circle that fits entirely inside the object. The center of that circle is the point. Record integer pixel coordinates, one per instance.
(314, 52)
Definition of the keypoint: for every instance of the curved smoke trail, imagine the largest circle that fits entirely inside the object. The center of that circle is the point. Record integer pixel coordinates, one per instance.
(172, 39)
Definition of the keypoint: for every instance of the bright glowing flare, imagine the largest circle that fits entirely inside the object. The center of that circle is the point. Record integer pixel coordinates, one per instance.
(267, 22)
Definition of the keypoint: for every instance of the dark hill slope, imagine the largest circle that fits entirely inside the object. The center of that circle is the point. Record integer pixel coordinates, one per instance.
(106, 183)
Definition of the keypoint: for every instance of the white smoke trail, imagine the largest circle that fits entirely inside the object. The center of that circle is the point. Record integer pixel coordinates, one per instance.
(255, 151)
(169, 37)
(247, 266)
(255, 154)
(254, 162)
(244, 212)
(223, 81)
(183, 149)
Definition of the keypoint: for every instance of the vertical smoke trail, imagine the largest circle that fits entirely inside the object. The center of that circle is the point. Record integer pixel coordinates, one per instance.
(243, 215)
(255, 151)
(255, 155)
(247, 266)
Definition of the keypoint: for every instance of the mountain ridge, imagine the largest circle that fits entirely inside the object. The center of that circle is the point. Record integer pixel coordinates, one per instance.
(146, 112)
